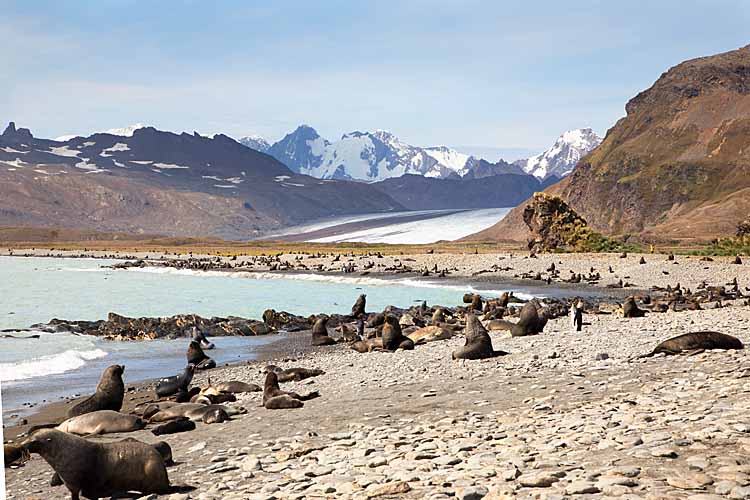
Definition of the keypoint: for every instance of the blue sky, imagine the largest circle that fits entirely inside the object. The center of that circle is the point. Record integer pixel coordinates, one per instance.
(510, 74)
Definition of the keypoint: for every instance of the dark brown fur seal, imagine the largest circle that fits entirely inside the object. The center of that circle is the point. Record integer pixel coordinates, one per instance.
(696, 341)
(162, 447)
(197, 357)
(173, 427)
(478, 342)
(393, 337)
(476, 302)
(320, 332)
(215, 416)
(275, 399)
(358, 309)
(169, 386)
(96, 470)
(630, 309)
(109, 394)
(528, 323)
(13, 453)
(293, 374)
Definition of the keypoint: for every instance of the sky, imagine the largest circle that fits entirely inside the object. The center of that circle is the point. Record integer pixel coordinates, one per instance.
(484, 74)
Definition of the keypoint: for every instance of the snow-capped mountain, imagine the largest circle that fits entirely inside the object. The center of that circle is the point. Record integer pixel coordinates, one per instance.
(122, 132)
(255, 142)
(366, 156)
(562, 157)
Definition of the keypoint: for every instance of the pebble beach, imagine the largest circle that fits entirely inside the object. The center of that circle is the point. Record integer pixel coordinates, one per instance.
(564, 415)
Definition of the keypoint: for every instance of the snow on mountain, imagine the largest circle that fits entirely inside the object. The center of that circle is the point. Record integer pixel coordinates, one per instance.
(255, 142)
(367, 156)
(562, 157)
(125, 131)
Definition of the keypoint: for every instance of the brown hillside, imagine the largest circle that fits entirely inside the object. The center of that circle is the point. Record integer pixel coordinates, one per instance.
(676, 167)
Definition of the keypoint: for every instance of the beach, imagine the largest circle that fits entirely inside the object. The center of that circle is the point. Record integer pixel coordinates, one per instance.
(564, 415)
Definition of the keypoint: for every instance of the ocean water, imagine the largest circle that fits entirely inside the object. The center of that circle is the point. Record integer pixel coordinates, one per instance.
(35, 290)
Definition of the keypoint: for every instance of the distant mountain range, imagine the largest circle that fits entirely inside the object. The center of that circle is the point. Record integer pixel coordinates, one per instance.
(379, 155)
(142, 180)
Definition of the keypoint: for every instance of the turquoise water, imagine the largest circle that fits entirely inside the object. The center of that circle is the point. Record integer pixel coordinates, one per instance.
(35, 290)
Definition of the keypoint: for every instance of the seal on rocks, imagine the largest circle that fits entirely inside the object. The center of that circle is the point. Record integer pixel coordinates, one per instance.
(393, 337)
(235, 386)
(696, 341)
(276, 399)
(109, 394)
(13, 453)
(96, 470)
(101, 422)
(630, 309)
(529, 322)
(320, 332)
(358, 309)
(178, 383)
(293, 374)
(193, 411)
(161, 446)
(197, 357)
(182, 424)
(478, 342)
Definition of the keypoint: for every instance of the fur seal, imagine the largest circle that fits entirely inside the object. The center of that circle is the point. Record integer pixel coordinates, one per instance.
(177, 383)
(109, 394)
(293, 374)
(430, 334)
(200, 337)
(96, 470)
(320, 332)
(478, 342)
(476, 302)
(193, 411)
(197, 357)
(162, 447)
(101, 422)
(696, 341)
(363, 346)
(392, 336)
(630, 309)
(438, 316)
(235, 387)
(358, 309)
(215, 416)
(276, 399)
(14, 453)
(183, 424)
(528, 323)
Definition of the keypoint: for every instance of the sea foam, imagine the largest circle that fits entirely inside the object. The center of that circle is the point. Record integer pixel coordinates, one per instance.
(48, 365)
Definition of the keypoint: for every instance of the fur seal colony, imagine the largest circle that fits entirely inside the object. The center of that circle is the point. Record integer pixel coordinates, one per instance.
(395, 329)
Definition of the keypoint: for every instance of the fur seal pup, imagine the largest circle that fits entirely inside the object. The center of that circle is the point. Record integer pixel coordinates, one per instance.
(109, 394)
(696, 341)
(196, 356)
(293, 374)
(101, 422)
(476, 302)
(363, 346)
(14, 453)
(235, 387)
(630, 309)
(182, 424)
(96, 470)
(358, 309)
(276, 399)
(528, 323)
(320, 332)
(478, 342)
(215, 416)
(178, 383)
(393, 337)
(347, 334)
(438, 316)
